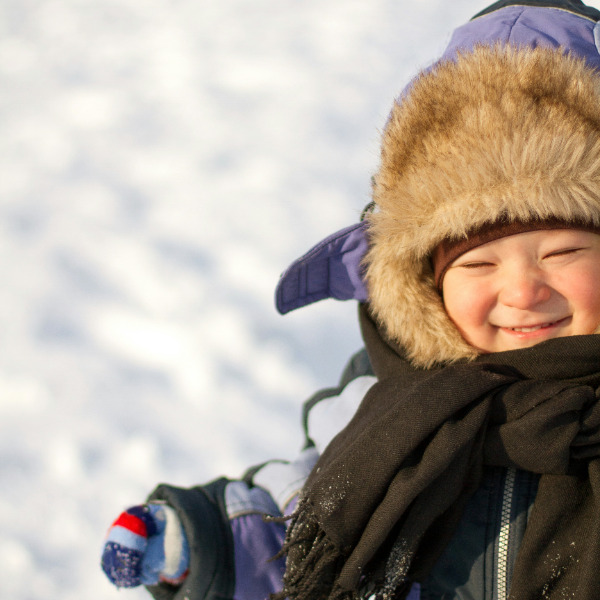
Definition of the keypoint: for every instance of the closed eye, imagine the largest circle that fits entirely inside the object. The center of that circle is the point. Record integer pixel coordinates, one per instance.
(564, 252)
(475, 265)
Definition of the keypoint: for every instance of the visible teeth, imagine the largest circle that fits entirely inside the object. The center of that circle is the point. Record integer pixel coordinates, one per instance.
(528, 329)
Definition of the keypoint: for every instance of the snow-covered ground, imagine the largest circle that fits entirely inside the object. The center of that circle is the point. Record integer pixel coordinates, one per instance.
(161, 162)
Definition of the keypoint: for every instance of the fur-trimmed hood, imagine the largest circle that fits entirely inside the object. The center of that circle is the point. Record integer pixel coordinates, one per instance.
(518, 138)
(506, 124)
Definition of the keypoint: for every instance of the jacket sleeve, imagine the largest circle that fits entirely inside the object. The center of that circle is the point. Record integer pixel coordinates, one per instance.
(203, 516)
(232, 545)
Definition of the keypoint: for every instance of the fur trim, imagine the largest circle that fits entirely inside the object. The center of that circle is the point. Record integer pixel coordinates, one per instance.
(498, 132)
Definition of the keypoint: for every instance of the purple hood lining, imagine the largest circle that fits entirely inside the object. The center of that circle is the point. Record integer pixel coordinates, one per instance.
(334, 267)
(331, 269)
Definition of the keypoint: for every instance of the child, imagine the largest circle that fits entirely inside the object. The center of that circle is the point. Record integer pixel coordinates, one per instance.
(467, 460)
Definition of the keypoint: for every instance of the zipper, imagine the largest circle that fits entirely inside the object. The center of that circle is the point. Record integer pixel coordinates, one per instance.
(504, 534)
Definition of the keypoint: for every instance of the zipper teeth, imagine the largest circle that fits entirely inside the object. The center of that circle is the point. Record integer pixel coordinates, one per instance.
(507, 497)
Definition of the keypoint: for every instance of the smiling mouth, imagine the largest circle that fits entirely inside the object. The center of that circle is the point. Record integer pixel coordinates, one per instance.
(529, 329)
(532, 328)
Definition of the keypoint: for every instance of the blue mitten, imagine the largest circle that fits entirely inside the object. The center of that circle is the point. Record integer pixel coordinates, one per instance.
(146, 545)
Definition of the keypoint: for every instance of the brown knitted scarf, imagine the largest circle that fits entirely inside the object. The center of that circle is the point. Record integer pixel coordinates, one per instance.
(386, 495)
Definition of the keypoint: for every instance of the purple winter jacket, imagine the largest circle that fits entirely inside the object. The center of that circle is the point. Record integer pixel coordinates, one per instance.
(231, 543)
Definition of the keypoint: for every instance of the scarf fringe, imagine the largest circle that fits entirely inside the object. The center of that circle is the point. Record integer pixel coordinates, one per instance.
(314, 561)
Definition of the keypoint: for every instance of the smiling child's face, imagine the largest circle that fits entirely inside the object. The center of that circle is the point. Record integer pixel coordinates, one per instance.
(517, 291)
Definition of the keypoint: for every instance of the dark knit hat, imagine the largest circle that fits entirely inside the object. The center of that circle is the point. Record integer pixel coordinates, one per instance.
(449, 250)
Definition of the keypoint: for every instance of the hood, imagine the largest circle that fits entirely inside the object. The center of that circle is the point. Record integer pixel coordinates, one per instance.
(520, 137)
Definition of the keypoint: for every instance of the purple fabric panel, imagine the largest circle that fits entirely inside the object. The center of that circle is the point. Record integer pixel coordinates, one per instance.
(255, 543)
(524, 26)
(331, 269)
(529, 26)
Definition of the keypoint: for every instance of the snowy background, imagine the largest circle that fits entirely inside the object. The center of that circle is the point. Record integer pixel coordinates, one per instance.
(161, 162)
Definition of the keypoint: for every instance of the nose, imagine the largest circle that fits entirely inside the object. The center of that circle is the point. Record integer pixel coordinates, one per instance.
(524, 289)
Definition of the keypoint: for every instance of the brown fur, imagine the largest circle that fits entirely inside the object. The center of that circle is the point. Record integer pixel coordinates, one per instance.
(500, 131)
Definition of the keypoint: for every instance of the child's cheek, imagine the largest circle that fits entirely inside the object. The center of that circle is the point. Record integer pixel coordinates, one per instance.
(581, 288)
(588, 307)
(467, 306)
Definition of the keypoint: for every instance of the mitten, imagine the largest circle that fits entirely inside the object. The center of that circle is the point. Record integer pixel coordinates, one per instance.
(146, 545)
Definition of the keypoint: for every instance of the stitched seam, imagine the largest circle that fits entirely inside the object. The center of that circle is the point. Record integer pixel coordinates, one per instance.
(525, 6)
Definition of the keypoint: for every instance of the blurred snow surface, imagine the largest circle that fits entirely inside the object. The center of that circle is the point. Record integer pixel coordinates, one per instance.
(162, 161)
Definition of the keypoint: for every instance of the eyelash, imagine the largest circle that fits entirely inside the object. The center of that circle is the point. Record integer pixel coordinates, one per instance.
(474, 265)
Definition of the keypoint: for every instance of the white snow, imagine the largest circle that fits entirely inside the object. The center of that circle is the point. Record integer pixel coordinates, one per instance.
(162, 161)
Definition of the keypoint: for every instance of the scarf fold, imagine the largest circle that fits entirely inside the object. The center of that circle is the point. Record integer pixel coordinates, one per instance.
(386, 495)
